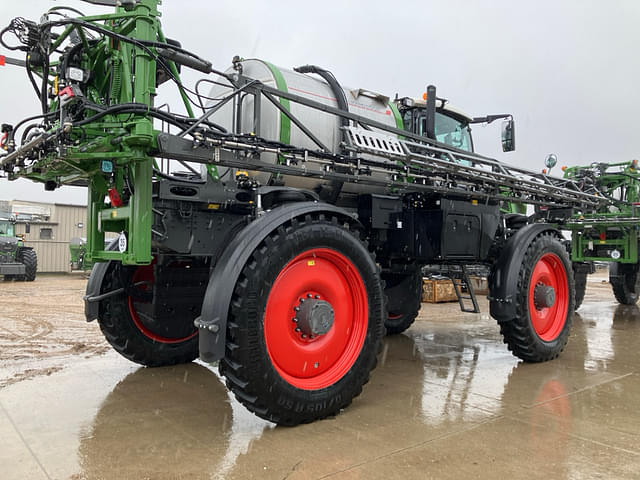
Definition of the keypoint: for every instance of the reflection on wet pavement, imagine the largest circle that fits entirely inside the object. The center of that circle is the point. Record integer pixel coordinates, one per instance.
(447, 401)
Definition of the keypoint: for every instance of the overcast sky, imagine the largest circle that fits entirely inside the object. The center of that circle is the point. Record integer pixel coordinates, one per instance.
(567, 70)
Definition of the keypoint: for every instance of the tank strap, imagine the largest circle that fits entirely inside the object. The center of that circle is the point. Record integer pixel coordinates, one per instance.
(285, 122)
(396, 115)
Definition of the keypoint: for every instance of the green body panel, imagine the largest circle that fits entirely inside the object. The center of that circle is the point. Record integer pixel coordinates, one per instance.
(121, 73)
(514, 208)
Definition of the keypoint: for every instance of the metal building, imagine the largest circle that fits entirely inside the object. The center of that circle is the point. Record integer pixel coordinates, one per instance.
(48, 228)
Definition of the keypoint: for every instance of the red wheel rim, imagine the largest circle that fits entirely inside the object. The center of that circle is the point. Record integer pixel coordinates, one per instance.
(145, 274)
(320, 362)
(548, 322)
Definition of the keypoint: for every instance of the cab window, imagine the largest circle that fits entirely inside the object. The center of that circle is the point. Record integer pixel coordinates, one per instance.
(6, 228)
(453, 132)
(448, 130)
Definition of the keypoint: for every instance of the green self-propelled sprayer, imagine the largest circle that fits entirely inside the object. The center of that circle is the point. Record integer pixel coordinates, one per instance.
(609, 233)
(282, 230)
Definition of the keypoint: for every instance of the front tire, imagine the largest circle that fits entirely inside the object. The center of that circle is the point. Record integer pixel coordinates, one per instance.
(132, 331)
(30, 261)
(625, 282)
(278, 366)
(544, 302)
(404, 299)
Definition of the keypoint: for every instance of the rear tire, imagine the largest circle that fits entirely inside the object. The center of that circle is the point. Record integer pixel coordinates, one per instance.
(540, 333)
(129, 332)
(275, 371)
(580, 280)
(404, 299)
(625, 282)
(30, 261)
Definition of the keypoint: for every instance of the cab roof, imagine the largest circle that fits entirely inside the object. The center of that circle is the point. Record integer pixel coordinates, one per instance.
(443, 105)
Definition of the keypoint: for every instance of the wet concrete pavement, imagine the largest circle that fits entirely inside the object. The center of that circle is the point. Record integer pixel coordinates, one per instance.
(446, 401)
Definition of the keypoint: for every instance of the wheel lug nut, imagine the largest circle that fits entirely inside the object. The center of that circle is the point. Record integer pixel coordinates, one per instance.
(295, 319)
(297, 329)
(316, 365)
(310, 337)
(317, 297)
(309, 295)
(304, 336)
(297, 309)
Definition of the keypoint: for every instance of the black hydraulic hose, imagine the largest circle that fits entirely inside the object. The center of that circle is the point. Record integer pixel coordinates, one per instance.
(69, 9)
(144, 45)
(33, 80)
(23, 138)
(182, 123)
(10, 28)
(26, 120)
(335, 87)
(135, 108)
(341, 99)
(44, 94)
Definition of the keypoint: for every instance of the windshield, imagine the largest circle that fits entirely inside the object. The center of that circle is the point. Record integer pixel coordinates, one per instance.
(448, 130)
(453, 132)
(6, 228)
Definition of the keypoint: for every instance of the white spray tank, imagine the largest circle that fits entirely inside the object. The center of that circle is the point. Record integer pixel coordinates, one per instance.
(275, 125)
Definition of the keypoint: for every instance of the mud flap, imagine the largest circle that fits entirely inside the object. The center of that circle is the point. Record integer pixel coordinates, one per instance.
(94, 285)
(503, 279)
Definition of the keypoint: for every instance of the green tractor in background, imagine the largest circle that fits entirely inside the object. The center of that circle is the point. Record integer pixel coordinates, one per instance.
(16, 261)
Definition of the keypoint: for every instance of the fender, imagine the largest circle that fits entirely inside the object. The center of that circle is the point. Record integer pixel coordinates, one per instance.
(212, 323)
(503, 280)
(91, 305)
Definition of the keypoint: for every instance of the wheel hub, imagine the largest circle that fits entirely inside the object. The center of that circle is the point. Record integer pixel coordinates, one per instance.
(544, 296)
(314, 317)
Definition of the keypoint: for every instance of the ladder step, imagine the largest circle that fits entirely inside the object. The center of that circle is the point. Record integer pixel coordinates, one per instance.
(460, 282)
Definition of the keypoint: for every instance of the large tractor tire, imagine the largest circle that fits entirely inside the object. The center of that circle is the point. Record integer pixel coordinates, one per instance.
(28, 258)
(580, 281)
(306, 322)
(127, 322)
(625, 282)
(404, 299)
(544, 302)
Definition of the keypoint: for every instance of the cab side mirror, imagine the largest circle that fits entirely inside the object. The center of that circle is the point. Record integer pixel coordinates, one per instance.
(508, 136)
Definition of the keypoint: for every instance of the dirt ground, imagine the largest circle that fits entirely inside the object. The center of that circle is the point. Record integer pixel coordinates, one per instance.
(42, 324)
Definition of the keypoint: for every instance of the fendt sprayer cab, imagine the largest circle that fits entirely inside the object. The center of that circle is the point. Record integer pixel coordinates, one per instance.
(451, 125)
(304, 240)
